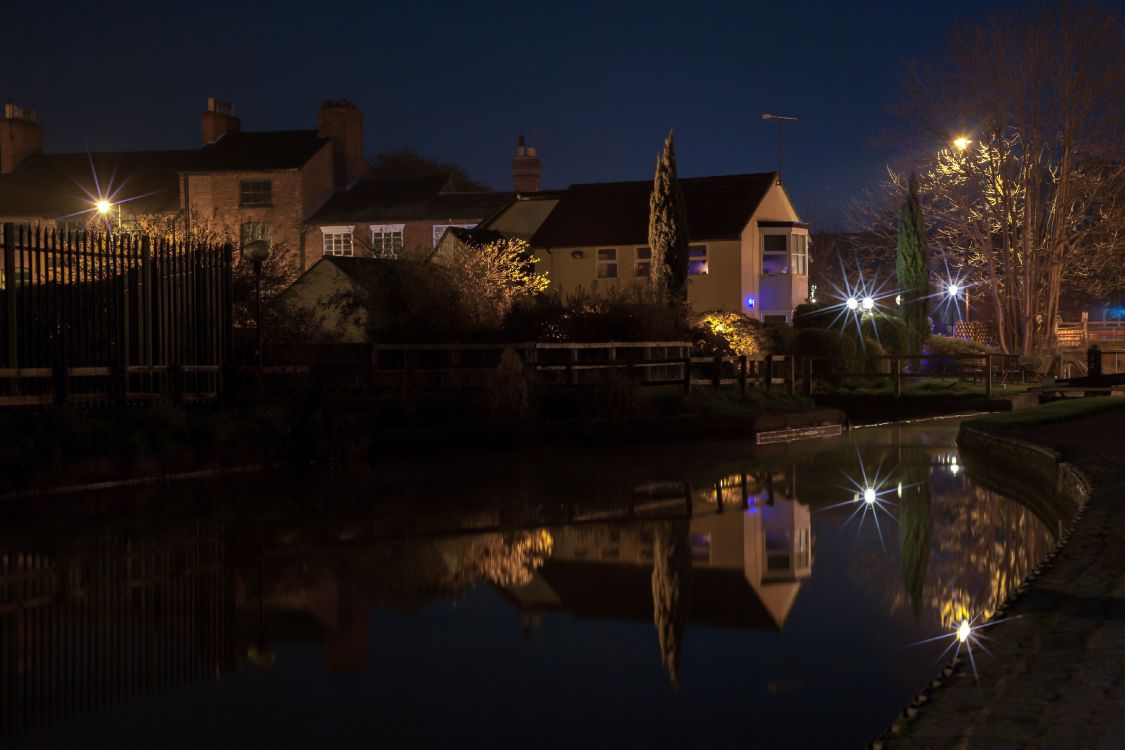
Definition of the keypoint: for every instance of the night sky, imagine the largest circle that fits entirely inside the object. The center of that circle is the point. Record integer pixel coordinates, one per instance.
(599, 83)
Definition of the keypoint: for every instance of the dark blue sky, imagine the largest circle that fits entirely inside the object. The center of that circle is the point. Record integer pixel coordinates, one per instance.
(600, 82)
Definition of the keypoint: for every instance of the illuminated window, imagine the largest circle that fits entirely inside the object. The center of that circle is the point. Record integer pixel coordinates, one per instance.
(642, 264)
(607, 263)
(439, 229)
(338, 241)
(252, 231)
(800, 254)
(255, 193)
(386, 240)
(697, 260)
(775, 253)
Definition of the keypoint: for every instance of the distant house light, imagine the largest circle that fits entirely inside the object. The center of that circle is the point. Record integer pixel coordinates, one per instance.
(750, 302)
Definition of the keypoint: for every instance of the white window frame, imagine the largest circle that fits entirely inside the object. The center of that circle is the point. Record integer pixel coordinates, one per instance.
(785, 253)
(338, 241)
(380, 247)
(639, 261)
(439, 229)
(799, 257)
(706, 258)
(609, 263)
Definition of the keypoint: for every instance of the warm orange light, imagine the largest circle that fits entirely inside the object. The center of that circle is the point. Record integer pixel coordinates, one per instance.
(961, 143)
(103, 207)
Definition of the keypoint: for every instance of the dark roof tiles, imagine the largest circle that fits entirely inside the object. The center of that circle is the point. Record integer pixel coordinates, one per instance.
(406, 200)
(267, 150)
(617, 212)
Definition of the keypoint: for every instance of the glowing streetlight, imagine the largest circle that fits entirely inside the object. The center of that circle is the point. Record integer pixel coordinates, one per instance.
(953, 289)
(852, 303)
(869, 496)
(868, 304)
(963, 631)
(962, 143)
(103, 206)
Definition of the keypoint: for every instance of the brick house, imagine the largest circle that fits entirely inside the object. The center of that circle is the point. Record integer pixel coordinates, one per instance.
(310, 192)
(385, 218)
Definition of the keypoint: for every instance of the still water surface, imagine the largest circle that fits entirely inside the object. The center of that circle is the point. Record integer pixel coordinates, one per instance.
(657, 596)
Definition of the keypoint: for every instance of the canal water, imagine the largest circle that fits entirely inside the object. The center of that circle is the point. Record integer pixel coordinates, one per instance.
(706, 594)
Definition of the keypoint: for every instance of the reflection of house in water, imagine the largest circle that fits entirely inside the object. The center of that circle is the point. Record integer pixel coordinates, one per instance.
(748, 560)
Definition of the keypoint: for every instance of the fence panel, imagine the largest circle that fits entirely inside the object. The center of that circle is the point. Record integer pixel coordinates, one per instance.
(90, 300)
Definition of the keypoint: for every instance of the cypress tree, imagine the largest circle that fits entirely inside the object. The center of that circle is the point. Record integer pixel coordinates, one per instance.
(667, 229)
(912, 267)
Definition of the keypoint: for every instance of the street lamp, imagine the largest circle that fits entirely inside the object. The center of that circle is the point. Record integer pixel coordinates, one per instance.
(257, 252)
(868, 304)
(852, 304)
(954, 290)
(962, 143)
(103, 206)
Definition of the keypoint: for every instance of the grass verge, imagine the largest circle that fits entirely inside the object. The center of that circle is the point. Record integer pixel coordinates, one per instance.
(1059, 411)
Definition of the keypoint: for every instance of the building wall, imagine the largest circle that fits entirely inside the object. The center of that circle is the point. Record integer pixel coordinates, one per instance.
(295, 194)
(719, 289)
(312, 293)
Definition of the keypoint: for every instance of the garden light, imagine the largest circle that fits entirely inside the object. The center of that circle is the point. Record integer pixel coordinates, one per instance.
(852, 303)
(869, 496)
(868, 304)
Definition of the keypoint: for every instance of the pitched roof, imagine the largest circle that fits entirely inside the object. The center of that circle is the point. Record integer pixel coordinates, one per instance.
(60, 185)
(253, 150)
(422, 198)
(616, 213)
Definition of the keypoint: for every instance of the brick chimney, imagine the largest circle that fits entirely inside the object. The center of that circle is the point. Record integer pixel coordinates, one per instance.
(20, 136)
(526, 168)
(218, 120)
(342, 123)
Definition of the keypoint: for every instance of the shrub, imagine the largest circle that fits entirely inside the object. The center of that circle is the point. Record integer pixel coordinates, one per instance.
(835, 352)
(719, 332)
(782, 339)
(940, 351)
(873, 353)
(812, 315)
(888, 330)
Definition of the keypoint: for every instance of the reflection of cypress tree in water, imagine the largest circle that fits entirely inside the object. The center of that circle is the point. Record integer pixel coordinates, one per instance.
(671, 591)
(914, 525)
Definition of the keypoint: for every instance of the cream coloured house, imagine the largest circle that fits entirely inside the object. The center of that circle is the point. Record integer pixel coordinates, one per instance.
(749, 250)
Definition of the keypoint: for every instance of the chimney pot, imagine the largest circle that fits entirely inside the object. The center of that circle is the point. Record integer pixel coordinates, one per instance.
(20, 136)
(527, 170)
(218, 120)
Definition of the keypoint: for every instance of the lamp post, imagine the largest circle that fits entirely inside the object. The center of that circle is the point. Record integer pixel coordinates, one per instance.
(962, 143)
(257, 252)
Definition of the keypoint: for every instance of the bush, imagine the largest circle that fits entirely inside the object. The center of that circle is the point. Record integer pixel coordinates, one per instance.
(940, 351)
(782, 339)
(812, 315)
(719, 332)
(873, 353)
(835, 352)
(889, 331)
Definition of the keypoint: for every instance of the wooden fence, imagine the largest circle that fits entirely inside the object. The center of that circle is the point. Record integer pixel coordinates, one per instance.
(1086, 333)
(88, 316)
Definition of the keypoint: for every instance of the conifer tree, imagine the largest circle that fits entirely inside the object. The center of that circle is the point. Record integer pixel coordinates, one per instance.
(667, 230)
(912, 267)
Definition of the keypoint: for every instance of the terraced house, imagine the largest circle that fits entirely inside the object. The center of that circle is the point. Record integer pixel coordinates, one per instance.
(310, 192)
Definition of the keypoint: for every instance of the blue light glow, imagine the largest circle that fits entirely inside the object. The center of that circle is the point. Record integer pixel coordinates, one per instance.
(750, 302)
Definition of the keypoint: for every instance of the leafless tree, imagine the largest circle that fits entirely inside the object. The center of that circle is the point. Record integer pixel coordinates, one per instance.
(1031, 199)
